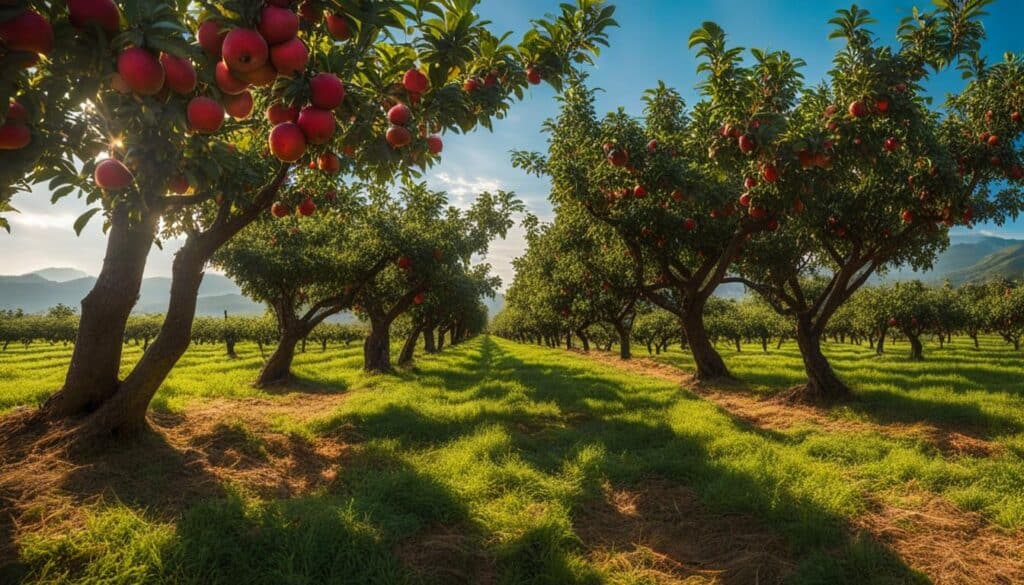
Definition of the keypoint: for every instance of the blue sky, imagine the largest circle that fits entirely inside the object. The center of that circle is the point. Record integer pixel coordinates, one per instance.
(650, 45)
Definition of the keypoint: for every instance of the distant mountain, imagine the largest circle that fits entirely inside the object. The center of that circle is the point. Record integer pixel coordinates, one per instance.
(61, 274)
(970, 258)
(35, 293)
(1006, 262)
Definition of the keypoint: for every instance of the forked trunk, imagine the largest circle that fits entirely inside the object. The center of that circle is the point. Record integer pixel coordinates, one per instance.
(278, 369)
(916, 349)
(709, 363)
(92, 376)
(822, 383)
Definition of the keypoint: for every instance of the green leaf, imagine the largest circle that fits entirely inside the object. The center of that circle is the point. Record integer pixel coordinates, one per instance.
(83, 219)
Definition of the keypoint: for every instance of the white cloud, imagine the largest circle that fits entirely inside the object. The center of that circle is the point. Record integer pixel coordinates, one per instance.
(44, 221)
(461, 187)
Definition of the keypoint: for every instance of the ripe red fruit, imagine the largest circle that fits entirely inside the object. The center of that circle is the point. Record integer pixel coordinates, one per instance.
(290, 57)
(178, 184)
(618, 157)
(772, 225)
(404, 263)
(533, 76)
(418, 299)
(993, 140)
(210, 37)
(901, 88)
(471, 84)
(307, 207)
(758, 212)
(179, 74)
(858, 109)
(893, 322)
(771, 174)
(112, 175)
(677, 195)
(329, 162)
(318, 125)
(262, 77)
(882, 105)
(205, 115)
(907, 216)
(415, 81)
(749, 183)
(652, 146)
(891, 144)
(746, 143)
(27, 32)
(238, 106)
(989, 115)
(326, 91)
(491, 79)
(398, 137)
(745, 200)
(226, 81)
(245, 50)
(14, 135)
(141, 71)
(399, 115)
(279, 210)
(104, 13)
(831, 110)
(689, 224)
(640, 191)
(1015, 117)
(277, 25)
(434, 144)
(287, 142)
(338, 27)
(279, 114)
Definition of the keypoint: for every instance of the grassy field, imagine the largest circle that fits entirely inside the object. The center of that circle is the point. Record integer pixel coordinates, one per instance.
(502, 463)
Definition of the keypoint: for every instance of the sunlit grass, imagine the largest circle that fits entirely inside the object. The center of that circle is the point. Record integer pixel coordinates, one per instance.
(505, 445)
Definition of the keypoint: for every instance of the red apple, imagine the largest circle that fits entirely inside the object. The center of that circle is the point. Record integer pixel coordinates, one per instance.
(112, 175)
(326, 91)
(338, 27)
(290, 57)
(211, 38)
(418, 299)
(1015, 117)
(907, 216)
(893, 322)
(262, 77)
(226, 81)
(279, 114)
(434, 144)
(415, 81)
(14, 136)
(238, 106)
(993, 140)
(329, 162)
(141, 71)
(245, 50)
(279, 210)
(770, 174)
(205, 115)
(745, 200)
(307, 207)
(404, 262)
(689, 224)
(180, 75)
(652, 146)
(179, 184)
(103, 13)
(678, 195)
(618, 157)
(831, 110)
(882, 105)
(29, 32)
(399, 115)
(318, 125)
(901, 87)
(16, 112)
(533, 76)
(746, 143)
(639, 191)
(471, 84)
(287, 142)
(398, 137)
(891, 144)
(749, 183)
(278, 25)
(858, 109)
(757, 212)
(772, 225)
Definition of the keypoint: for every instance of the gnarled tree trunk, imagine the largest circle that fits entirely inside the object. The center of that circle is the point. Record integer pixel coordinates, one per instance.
(709, 363)
(92, 376)
(429, 341)
(624, 342)
(822, 383)
(377, 347)
(405, 357)
(916, 348)
(278, 369)
(583, 339)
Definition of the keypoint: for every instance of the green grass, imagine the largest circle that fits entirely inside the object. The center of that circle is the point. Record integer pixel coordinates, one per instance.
(505, 445)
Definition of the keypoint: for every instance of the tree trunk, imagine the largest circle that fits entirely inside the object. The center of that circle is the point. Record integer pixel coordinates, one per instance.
(822, 383)
(880, 347)
(377, 347)
(124, 414)
(709, 363)
(583, 339)
(624, 348)
(650, 349)
(764, 344)
(440, 339)
(568, 341)
(739, 348)
(974, 337)
(429, 343)
(409, 348)
(278, 369)
(916, 349)
(92, 377)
